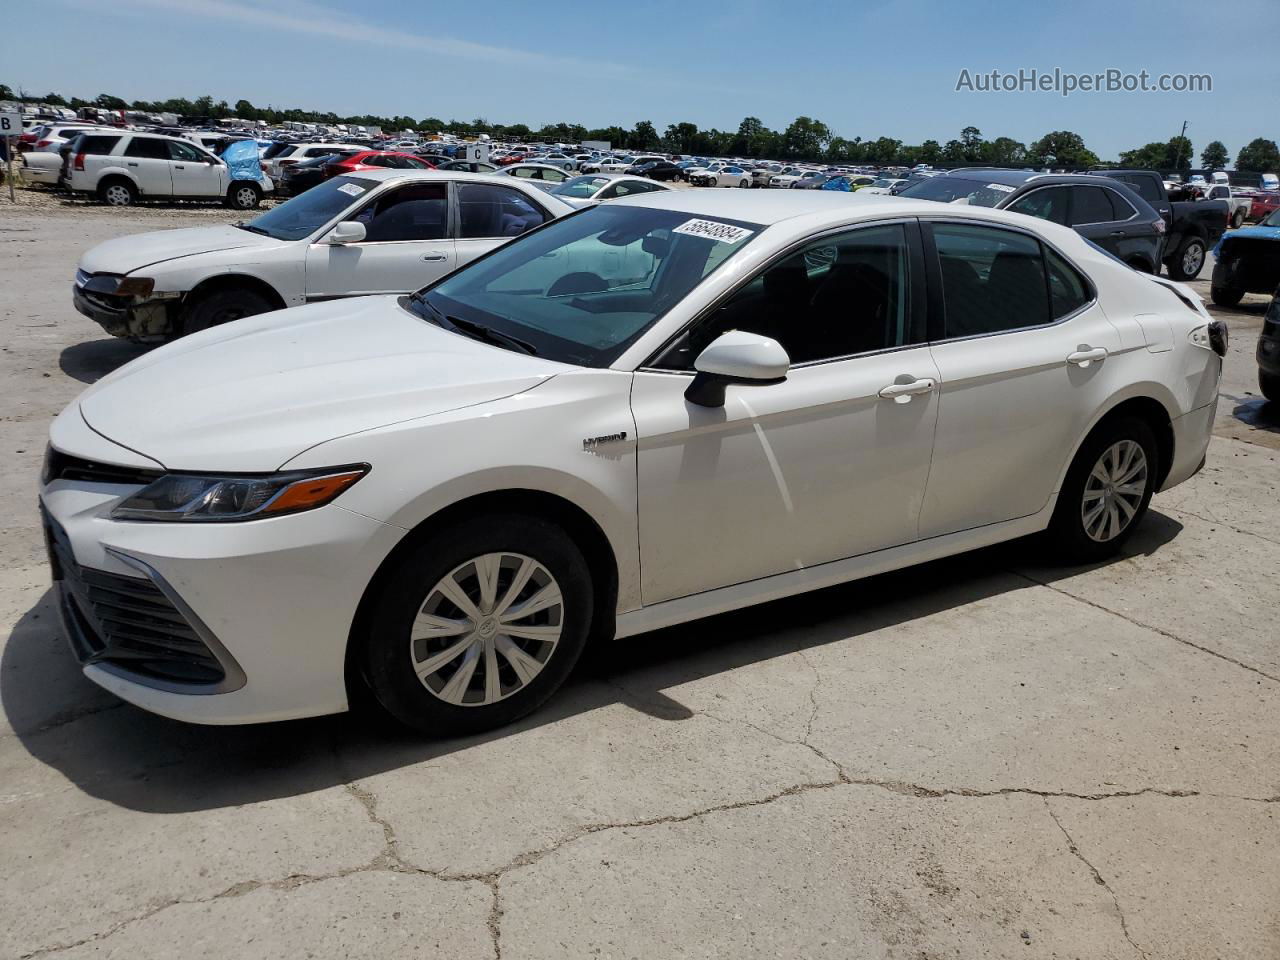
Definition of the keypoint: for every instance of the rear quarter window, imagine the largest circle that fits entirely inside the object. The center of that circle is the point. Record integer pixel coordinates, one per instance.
(96, 145)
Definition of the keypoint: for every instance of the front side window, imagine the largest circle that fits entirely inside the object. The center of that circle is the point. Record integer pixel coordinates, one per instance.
(184, 152)
(584, 287)
(487, 211)
(836, 297)
(993, 280)
(419, 211)
(1047, 203)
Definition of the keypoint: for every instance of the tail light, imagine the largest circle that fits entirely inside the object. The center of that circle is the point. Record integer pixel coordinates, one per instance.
(285, 163)
(43, 143)
(79, 163)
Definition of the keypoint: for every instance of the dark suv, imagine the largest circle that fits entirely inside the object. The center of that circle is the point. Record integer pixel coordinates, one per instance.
(1269, 351)
(1109, 213)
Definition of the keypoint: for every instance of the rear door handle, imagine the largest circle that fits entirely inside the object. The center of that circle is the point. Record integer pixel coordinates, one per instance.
(1082, 358)
(132, 164)
(1119, 233)
(435, 257)
(903, 392)
(178, 166)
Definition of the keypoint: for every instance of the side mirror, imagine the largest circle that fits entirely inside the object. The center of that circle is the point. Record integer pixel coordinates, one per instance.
(735, 357)
(348, 231)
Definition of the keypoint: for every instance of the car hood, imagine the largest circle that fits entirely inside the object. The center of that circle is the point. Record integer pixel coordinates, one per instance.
(253, 394)
(1257, 232)
(129, 253)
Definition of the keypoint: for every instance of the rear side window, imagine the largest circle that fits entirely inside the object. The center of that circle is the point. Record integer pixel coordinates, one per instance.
(494, 211)
(1090, 205)
(992, 280)
(1146, 187)
(1068, 290)
(1047, 203)
(148, 149)
(1121, 208)
(96, 145)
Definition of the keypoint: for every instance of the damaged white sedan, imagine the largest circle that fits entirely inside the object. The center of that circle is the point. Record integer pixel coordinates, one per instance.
(385, 231)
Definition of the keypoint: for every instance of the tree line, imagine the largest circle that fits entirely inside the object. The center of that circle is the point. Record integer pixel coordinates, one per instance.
(804, 139)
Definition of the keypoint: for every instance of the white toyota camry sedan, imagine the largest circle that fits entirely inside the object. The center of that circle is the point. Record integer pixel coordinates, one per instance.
(646, 412)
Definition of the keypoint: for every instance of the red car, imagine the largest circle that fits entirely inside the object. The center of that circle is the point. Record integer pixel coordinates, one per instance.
(1263, 205)
(376, 160)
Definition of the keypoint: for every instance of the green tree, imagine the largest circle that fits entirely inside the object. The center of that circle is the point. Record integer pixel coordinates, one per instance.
(930, 152)
(1179, 153)
(246, 110)
(1004, 152)
(1062, 148)
(884, 150)
(644, 137)
(1176, 154)
(108, 102)
(1215, 156)
(1259, 156)
(806, 138)
(6, 93)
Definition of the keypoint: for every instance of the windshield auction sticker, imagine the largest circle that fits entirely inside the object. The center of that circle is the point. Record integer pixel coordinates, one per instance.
(713, 230)
(354, 189)
(1000, 187)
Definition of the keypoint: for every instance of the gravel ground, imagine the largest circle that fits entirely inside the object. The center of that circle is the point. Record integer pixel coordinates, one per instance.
(45, 202)
(982, 757)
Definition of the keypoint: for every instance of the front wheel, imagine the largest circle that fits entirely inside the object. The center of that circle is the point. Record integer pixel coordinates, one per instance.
(1106, 493)
(1269, 384)
(244, 196)
(1226, 296)
(1188, 260)
(478, 625)
(221, 307)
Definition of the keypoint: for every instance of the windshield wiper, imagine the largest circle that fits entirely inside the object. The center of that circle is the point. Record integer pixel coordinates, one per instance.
(472, 329)
(251, 228)
(481, 332)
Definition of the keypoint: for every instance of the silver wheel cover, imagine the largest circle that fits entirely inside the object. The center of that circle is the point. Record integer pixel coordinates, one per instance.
(1113, 491)
(1193, 260)
(486, 629)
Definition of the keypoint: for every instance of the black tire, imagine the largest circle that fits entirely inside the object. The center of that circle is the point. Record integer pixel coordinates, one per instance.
(244, 196)
(222, 306)
(1226, 296)
(386, 654)
(1067, 538)
(1237, 221)
(117, 192)
(1269, 384)
(1177, 264)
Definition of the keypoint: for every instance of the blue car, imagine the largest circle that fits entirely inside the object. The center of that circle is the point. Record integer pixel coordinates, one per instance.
(1248, 261)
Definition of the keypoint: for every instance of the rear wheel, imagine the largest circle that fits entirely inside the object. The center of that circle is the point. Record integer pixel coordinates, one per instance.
(1106, 493)
(117, 193)
(1188, 260)
(1237, 220)
(1226, 296)
(1269, 384)
(478, 625)
(222, 306)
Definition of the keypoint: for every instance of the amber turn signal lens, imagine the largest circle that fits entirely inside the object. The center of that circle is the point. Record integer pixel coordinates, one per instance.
(312, 492)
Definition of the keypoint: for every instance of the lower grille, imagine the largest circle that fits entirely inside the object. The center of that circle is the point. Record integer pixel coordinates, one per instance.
(127, 622)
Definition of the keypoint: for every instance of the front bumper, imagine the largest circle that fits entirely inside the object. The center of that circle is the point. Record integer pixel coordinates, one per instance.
(271, 600)
(147, 321)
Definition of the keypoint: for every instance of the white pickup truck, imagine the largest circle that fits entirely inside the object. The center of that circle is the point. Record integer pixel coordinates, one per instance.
(122, 167)
(1237, 204)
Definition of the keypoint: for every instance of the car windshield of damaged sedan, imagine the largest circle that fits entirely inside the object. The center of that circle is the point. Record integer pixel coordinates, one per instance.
(581, 188)
(307, 213)
(585, 287)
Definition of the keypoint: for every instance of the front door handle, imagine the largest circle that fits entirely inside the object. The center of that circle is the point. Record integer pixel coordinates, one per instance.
(179, 166)
(1118, 233)
(903, 392)
(1082, 358)
(435, 257)
(132, 164)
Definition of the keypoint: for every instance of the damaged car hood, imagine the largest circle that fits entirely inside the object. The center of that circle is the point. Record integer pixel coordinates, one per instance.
(126, 254)
(251, 395)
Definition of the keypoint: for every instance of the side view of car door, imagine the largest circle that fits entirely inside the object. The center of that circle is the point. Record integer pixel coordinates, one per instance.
(195, 173)
(408, 242)
(1023, 352)
(829, 463)
(147, 160)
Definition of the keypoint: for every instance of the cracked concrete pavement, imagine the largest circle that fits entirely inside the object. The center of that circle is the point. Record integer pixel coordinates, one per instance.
(986, 756)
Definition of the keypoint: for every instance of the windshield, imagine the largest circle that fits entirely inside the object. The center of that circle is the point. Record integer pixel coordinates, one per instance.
(582, 289)
(978, 193)
(308, 212)
(1272, 220)
(580, 188)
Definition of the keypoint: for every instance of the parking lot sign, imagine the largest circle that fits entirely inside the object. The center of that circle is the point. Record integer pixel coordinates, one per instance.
(10, 129)
(478, 152)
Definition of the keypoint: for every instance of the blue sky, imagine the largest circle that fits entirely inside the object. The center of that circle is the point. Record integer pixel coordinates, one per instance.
(865, 68)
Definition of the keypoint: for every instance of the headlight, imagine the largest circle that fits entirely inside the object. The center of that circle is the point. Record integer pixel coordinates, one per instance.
(187, 497)
(116, 286)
